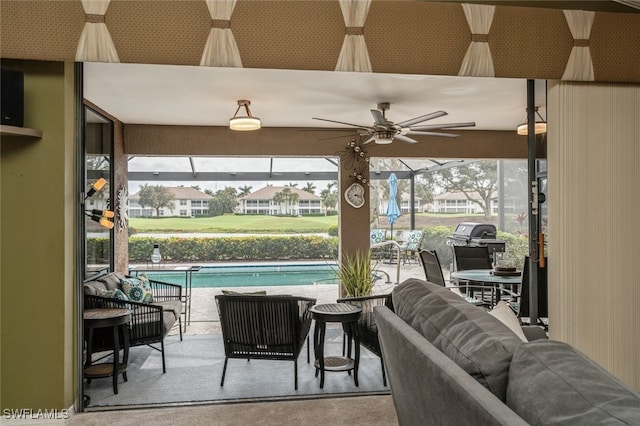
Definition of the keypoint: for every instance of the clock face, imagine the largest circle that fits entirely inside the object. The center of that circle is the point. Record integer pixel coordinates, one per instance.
(354, 195)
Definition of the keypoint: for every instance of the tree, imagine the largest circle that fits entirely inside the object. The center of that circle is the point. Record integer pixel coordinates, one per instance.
(244, 190)
(479, 177)
(310, 188)
(155, 196)
(329, 195)
(223, 201)
(279, 198)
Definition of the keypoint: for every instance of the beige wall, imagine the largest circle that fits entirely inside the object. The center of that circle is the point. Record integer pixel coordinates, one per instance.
(594, 274)
(38, 223)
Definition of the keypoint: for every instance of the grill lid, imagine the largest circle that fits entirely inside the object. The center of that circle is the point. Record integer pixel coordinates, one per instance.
(469, 230)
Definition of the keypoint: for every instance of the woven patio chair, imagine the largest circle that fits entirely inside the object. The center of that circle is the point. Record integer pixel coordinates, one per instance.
(150, 322)
(264, 327)
(367, 328)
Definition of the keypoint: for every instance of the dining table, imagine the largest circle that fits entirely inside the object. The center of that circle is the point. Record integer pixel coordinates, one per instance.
(501, 283)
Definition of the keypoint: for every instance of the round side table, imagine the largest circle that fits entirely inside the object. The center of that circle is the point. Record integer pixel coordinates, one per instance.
(343, 313)
(116, 319)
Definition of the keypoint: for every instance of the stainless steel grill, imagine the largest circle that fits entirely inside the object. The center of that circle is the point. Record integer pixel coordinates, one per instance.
(476, 235)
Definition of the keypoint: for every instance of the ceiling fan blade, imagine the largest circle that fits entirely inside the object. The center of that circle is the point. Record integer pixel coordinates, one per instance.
(371, 139)
(444, 135)
(404, 138)
(443, 126)
(422, 118)
(342, 122)
(378, 118)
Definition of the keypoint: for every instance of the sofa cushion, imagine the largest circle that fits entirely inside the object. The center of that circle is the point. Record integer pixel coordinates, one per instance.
(250, 293)
(94, 288)
(111, 280)
(552, 383)
(174, 306)
(480, 344)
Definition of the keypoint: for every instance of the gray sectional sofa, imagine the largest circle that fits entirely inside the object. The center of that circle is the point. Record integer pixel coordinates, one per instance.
(451, 363)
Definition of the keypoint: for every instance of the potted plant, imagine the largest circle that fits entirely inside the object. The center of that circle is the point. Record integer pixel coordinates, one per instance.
(355, 274)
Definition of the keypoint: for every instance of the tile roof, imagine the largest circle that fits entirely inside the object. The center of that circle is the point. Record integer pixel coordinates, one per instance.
(268, 192)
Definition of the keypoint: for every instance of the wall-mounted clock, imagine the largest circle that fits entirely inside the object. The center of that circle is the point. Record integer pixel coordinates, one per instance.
(354, 195)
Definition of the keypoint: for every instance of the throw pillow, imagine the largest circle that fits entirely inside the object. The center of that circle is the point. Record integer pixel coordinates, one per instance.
(137, 290)
(114, 294)
(505, 314)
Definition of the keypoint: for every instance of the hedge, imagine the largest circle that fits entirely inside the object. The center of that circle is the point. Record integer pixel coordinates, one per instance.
(297, 247)
(198, 249)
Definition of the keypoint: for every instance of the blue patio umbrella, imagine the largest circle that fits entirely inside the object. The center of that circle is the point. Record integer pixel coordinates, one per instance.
(393, 211)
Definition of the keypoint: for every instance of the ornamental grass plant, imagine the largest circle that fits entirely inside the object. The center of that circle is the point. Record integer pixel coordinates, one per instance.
(354, 271)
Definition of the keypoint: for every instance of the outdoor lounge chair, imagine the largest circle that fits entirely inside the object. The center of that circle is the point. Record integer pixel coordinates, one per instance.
(264, 327)
(150, 322)
(412, 246)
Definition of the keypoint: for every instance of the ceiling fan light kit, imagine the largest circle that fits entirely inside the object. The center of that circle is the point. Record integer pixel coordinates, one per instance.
(244, 123)
(539, 128)
(384, 131)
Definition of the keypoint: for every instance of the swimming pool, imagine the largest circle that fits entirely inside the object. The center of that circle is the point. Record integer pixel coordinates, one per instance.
(248, 275)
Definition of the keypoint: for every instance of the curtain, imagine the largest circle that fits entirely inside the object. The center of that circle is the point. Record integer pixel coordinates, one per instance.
(579, 66)
(477, 61)
(221, 49)
(95, 43)
(354, 55)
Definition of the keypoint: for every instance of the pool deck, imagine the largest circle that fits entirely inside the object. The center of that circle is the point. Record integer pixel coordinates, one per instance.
(204, 314)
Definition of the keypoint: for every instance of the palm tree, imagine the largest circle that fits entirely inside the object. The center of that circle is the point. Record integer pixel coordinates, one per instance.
(286, 195)
(310, 188)
(244, 190)
(279, 198)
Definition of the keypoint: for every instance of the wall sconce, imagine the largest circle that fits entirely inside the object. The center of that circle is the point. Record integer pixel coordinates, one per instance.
(540, 126)
(103, 217)
(244, 123)
(97, 186)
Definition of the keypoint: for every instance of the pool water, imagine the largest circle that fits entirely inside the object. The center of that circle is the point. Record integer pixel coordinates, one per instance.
(251, 275)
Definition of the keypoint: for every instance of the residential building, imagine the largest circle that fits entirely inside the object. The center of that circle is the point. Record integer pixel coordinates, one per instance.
(459, 202)
(187, 202)
(262, 202)
(405, 204)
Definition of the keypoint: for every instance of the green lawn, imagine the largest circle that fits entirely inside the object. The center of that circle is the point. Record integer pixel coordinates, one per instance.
(233, 223)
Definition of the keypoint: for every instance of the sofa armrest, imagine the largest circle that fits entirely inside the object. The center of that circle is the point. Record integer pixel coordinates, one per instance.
(533, 332)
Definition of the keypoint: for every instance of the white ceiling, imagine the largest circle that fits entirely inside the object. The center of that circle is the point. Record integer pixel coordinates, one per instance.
(205, 96)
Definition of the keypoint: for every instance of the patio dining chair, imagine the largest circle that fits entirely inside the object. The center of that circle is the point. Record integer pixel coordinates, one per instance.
(433, 273)
(472, 257)
(521, 305)
(264, 327)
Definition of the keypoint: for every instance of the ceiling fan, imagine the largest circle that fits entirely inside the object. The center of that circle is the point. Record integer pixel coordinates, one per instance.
(384, 131)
